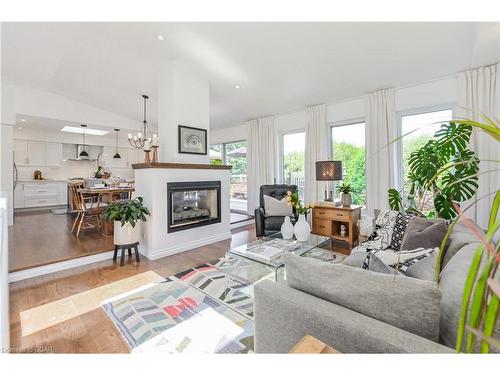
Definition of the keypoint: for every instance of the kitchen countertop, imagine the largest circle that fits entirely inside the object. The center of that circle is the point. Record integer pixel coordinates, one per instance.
(45, 180)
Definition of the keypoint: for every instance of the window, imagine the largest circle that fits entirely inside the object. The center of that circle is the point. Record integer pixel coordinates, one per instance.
(235, 155)
(348, 146)
(417, 128)
(293, 160)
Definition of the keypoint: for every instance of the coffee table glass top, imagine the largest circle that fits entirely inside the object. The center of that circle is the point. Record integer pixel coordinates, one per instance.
(291, 245)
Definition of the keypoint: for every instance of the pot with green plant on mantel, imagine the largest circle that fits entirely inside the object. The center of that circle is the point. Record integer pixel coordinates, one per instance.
(127, 216)
(346, 198)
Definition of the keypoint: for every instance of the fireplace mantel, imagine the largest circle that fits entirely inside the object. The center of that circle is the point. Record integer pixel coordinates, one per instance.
(179, 166)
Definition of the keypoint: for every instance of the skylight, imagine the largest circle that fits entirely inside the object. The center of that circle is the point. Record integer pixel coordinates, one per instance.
(79, 130)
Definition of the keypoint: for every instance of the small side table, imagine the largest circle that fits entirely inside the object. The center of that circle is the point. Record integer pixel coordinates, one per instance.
(128, 247)
(311, 345)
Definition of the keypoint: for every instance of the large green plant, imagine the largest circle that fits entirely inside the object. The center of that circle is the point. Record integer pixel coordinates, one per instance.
(126, 211)
(445, 169)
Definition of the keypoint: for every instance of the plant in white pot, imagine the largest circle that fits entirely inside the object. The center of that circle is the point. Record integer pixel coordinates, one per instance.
(127, 215)
(346, 190)
(302, 229)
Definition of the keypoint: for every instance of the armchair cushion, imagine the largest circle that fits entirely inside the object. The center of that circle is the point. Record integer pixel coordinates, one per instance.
(407, 303)
(277, 207)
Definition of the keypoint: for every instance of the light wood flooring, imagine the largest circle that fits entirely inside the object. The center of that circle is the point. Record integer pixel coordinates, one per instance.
(92, 331)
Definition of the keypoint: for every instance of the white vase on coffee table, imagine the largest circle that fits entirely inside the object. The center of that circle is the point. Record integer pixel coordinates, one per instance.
(302, 229)
(287, 228)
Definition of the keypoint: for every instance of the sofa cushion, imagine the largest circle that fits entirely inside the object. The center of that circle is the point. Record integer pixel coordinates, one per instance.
(422, 232)
(273, 223)
(425, 269)
(459, 237)
(451, 284)
(276, 207)
(407, 303)
(375, 264)
(355, 259)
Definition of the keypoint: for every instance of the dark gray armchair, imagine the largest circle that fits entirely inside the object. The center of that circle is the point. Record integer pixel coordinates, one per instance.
(267, 225)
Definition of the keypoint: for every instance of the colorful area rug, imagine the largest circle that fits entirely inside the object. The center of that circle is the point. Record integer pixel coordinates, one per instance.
(200, 310)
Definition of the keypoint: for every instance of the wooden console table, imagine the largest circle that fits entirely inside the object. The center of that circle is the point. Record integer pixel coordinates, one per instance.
(327, 220)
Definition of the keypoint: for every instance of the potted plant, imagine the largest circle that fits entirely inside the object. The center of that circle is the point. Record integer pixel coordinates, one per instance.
(346, 199)
(126, 214)
(302, 229)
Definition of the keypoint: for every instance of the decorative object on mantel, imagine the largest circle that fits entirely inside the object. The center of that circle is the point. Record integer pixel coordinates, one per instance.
(154, 146)
(147, 159)
(180, 166)
(329, 170)
(192, 140)
(287, 228)
(345, 198)
(117, 155)
(302, 229)
(144, 138)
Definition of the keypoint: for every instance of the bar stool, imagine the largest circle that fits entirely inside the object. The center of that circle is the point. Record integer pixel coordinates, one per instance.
(128, 247)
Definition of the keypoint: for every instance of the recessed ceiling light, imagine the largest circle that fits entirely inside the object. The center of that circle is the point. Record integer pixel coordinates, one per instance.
(23, 120)
(19, 128)
(73, 129)
(160, 37)
(237, 86)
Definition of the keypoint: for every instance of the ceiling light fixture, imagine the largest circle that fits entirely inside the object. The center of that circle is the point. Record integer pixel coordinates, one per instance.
(237, 86)
(160, 37)
(23, 120)
(74, 129)
(117, 155)
(83, 153)
(143, 138)
(19, 128)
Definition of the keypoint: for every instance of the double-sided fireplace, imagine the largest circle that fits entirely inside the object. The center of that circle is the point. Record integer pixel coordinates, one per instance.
(193, 204)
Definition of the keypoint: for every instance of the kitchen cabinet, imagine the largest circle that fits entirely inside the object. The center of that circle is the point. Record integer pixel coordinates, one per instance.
(21, 152)
(32, 194)
(37, 153)
(54, 154)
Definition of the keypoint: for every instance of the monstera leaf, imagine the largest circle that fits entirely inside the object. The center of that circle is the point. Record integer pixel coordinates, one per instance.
(425, 163)
(395, 200)
(460, 183)
(444, 207)
(452, 138)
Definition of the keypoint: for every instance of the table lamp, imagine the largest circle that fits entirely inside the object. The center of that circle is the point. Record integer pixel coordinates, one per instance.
(329, 170)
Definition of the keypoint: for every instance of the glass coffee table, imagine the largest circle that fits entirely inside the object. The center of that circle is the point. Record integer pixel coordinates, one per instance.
(244, 263)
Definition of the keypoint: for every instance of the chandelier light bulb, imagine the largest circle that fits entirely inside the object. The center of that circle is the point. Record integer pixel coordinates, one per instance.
(129, 136)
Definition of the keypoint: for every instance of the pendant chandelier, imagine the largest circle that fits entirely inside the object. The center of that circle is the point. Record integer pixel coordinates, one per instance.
(117, 155)
(84, 153)
(142, 140)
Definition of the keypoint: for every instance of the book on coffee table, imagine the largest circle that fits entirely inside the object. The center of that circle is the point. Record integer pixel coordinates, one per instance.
(273, 249)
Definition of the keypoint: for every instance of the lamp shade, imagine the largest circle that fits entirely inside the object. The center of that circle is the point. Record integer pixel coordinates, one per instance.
(329, 170)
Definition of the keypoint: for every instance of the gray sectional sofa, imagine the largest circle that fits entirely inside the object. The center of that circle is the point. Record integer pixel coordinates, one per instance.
(359, 311)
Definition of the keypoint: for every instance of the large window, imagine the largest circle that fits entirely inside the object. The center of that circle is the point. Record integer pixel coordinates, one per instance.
(235, 155)
(293, 159)
(348, 146)
(416, 129)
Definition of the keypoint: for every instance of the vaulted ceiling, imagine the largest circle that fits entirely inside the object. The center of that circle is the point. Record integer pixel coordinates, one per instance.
(279, 67)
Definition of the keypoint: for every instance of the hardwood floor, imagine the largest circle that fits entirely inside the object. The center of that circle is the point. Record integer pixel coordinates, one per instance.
(40, 238)
(93, 332)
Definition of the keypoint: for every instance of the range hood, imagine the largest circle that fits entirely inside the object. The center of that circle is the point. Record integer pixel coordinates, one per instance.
(93, 151)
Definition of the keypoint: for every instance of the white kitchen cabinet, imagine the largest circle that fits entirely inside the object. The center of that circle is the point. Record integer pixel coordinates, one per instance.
(40, 194)
(54, 154)
(19, 195)
(21, 152)
(37, 153)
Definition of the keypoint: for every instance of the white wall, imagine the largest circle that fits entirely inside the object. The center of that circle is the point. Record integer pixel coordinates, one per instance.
(183, 99)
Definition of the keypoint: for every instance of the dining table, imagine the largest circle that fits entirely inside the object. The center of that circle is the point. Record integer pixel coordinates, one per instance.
(109, 194)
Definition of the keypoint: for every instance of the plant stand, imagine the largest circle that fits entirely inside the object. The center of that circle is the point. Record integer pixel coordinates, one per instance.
(128, 247)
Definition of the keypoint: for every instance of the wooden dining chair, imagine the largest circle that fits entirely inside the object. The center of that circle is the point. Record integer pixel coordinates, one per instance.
(88, 212)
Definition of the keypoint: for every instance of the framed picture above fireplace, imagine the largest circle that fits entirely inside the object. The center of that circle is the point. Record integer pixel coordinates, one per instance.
(192, 140)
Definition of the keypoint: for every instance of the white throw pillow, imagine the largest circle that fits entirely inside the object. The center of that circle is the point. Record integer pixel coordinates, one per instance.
(275, 207)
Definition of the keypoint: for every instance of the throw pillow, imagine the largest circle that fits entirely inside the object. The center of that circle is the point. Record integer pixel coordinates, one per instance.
(398, 233)
(402, 260)
(425, 269)
(381, 238)
(276, 207)
(422, 232)
(377, 265)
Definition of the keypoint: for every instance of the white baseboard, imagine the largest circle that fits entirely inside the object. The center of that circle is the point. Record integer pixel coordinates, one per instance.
(242, 223)
(186, 246)
(59, 266)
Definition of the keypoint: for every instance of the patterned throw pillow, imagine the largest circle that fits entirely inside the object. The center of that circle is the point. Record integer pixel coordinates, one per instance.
(399, 230)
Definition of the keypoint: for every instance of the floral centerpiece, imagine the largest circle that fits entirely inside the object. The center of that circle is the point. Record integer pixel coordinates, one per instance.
(302, 229)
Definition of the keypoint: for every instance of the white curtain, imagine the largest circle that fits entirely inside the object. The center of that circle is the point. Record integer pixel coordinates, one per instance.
(380, 131)
(315, 150)
(261, 158)
(479, 94)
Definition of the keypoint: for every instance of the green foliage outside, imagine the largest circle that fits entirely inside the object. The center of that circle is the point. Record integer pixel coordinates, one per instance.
(293, 162)
(354, 165)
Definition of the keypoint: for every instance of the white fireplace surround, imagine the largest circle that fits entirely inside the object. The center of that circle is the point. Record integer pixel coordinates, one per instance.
(151, 185)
